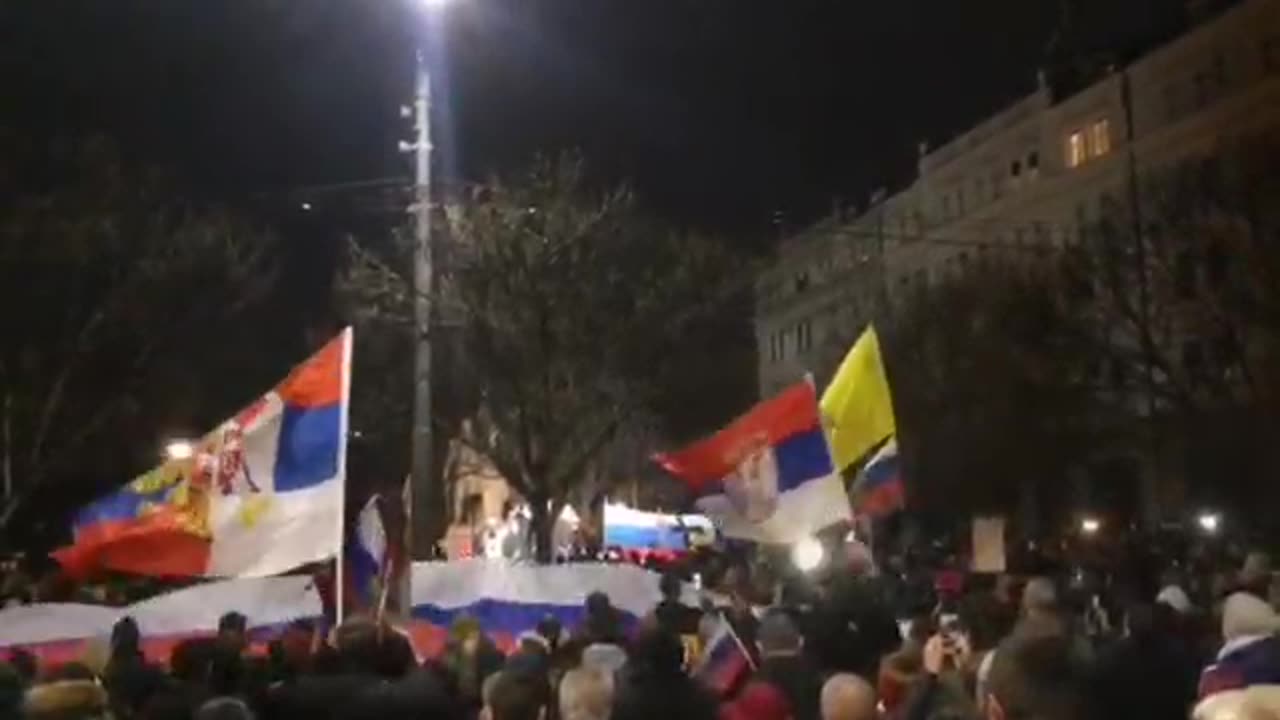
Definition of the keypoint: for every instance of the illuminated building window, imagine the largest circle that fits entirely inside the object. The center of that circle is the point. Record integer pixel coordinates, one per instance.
(1076, 149)
(1100, 138)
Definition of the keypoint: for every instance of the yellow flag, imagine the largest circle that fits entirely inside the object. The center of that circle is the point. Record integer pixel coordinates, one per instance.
(856, 405)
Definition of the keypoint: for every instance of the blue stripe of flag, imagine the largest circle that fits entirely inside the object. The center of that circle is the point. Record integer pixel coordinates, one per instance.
(801, 458)
(307, 449)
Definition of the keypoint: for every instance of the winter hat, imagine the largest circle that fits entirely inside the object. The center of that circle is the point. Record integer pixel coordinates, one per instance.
(1176, 598)
(1244, 614)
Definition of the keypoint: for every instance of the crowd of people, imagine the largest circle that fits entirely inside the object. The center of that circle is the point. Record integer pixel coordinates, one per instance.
(1014, 650)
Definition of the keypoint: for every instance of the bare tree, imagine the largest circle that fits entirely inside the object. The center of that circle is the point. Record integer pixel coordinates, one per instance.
(112, 290)
(569, 309)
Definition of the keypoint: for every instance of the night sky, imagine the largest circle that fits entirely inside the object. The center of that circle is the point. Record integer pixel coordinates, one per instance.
(720, 112)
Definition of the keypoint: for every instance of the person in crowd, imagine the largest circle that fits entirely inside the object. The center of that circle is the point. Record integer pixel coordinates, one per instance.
(129, 679)
(512, 695)
(784, 665)
(233, 632)
(1036, 675)
(848, 697)
(1261, 702)
(602, 624)
(1150, 672)
(586, 694)
(470, 657)
(654, 683)
(758, 701)
(1250, 653)
(12, 686)
(940, 691)
(68, 700)
(224, 708)
(1255, 575)
(899, 670)
(672, 614)
(850, 628)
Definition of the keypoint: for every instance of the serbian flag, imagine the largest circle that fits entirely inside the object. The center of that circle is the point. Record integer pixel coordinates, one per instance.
(768, 477)
(881, 491)
(260, 495)
(724, 663)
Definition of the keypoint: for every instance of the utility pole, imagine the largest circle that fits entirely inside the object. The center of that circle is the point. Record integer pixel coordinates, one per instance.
(423, 490)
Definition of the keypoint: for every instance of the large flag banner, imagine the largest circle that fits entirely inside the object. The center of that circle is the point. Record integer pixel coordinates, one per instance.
(261, 494)
(768, 477)
(857, 405)
(880, 490)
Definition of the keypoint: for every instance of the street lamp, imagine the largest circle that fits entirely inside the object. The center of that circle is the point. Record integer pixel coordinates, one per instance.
(420, 469)
(1209, 522)
(179, 449)
(808, 554)
(1090, 526)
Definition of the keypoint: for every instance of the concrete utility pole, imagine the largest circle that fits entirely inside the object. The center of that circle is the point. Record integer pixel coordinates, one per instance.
(423, 492)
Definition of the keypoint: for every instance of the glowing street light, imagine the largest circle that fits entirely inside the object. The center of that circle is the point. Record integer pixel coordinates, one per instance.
(1209, 522)
(1090, 525)
(179, 449)
(808, 554)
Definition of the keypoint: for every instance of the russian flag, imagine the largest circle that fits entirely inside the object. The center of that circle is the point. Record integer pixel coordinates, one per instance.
(768, 476)
(632, 529)
(724, 662)
(881, 491)
(261, 494)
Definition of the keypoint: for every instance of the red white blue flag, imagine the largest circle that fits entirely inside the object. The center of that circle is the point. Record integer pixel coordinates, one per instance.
(261, 494)
(768, 476)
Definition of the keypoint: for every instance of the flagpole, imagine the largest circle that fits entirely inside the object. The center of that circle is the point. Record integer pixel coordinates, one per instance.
(339, 572)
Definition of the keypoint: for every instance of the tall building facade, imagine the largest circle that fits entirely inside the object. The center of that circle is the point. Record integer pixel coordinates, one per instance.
(1033, 177)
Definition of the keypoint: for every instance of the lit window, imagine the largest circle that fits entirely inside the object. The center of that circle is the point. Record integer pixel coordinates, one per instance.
(1075, 149)
(1100, 138)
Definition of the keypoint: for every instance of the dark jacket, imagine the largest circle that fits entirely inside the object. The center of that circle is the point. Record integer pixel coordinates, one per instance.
(1152, 677)
(643, 695)
(798, 679)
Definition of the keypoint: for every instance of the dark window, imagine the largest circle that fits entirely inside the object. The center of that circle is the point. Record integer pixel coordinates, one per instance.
(1119, 374)
(960, 201)
(1172, 108)
(1215, 266)
(802, 281)
(1033, 160)
(1200, 88)
(1193, 358)
(1184, 274)
(1271, 54)
(1015, 168)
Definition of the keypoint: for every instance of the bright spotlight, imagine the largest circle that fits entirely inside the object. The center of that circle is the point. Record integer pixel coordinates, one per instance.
(435, 3)
(1090, 526)
(807, 554)
(179, 450)
(1209, 522)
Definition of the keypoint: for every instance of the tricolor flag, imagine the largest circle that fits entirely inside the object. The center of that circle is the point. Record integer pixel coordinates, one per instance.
(724, 662)
(261, 494)
(367, 557)
(768, 477)
(880, 491)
